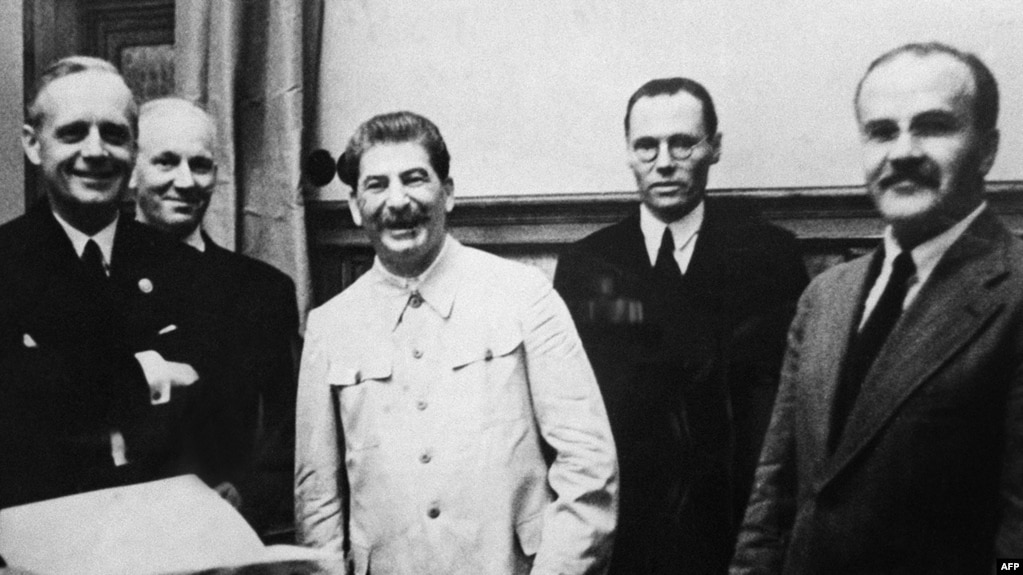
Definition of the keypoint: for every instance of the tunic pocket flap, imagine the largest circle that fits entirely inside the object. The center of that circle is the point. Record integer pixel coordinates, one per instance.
(339, 375)
(470, 350)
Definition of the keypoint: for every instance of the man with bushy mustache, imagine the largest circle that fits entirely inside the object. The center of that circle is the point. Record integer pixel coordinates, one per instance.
(448, 420)
(896, 443)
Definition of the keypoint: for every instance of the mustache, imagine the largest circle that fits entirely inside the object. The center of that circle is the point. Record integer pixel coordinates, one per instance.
(403, 219)
(921, 175)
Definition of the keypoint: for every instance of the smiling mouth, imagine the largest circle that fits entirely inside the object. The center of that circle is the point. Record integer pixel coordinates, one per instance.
(101, 175)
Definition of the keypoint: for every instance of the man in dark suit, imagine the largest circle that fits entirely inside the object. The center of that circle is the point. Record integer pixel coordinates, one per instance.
(896, 443)
(682, 309)
(249, 454)
(88, 300)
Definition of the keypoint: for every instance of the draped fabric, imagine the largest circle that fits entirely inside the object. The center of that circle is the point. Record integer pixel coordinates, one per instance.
(253, 64)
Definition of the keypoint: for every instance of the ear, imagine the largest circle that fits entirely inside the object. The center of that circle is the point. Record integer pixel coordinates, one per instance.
(353, 207)
(449, 194)
(989, 149)
(715, 144)
(30, 143)
(133, 181)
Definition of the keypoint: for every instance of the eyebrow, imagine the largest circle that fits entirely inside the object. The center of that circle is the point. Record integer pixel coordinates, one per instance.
(415, 172)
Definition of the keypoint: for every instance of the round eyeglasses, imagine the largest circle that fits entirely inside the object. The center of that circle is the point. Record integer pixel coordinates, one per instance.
(679, 147)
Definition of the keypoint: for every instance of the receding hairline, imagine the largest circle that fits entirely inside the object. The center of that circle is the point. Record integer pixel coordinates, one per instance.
(74, 67)
(983, 87)
(161, 108)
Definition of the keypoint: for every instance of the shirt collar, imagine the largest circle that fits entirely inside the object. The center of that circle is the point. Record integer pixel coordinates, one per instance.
(927, 255)
(103, 238)
(196, 240)
(437, 285)
(683, 230)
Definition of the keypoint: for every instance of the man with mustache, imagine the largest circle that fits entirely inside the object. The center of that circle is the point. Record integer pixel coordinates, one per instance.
(896, 443)
(246, 450)
(448, 421)
(682, 308)
(87, 299)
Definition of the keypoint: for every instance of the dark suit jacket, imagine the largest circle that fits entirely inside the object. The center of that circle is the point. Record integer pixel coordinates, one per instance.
(256, 376)
(928, 474)
(68, 374)
(673, 381)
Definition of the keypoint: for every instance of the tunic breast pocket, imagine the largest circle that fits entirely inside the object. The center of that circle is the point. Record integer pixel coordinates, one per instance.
(357, 395)
(492, 368)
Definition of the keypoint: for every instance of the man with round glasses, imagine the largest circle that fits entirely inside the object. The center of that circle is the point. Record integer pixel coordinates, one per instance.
(682, 309)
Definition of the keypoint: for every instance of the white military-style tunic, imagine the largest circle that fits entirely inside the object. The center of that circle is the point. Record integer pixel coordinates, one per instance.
(447, 388)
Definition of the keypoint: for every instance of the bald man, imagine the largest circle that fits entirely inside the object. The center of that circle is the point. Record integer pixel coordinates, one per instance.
(247, 450)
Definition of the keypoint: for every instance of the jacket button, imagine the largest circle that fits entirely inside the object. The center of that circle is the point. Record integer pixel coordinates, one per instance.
(417, 353)
(433, 513)
(425, 458)
(416, 300)
(421, 405)
(489, 355)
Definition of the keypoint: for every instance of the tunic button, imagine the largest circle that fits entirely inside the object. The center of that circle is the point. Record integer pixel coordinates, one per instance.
(433, 513)
(425, 458)
(421, 405)
(416, 353)
(157, 396)
(489, 355)
(416, 300)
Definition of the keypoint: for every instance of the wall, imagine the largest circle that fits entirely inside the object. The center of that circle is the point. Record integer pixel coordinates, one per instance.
(12, 163)
(530, 94)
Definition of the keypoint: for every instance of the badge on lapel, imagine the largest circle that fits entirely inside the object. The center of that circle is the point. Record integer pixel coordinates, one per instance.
(145, 285)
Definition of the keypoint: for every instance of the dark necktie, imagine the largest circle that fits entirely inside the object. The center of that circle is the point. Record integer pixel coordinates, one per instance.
(868, 342)
(92, 259)
(666, 268)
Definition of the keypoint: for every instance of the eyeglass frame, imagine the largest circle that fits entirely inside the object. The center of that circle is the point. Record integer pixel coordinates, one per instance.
(689, 150)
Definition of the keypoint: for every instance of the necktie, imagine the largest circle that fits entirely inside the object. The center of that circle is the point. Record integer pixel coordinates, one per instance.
(92, 259)
(868, 342)
(666, 268)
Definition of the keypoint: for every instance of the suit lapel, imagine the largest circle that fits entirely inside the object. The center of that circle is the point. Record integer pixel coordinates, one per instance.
(838, 321)
(954, 304)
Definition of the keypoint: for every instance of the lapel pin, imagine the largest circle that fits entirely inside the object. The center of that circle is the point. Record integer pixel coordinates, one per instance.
(145, 286)
(28, 341)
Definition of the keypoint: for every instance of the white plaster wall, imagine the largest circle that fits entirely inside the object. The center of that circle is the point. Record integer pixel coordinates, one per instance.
(530, 94)
(12, 163)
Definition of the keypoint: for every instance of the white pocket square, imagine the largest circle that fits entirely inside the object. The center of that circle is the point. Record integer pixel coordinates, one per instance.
(28, 341)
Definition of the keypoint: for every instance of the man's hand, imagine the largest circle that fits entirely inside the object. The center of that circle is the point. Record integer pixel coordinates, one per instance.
(229, 493)
(162, 375)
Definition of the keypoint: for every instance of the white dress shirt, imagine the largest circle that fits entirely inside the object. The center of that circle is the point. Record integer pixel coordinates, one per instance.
(684, 230)
(925, 256)
(103, 238)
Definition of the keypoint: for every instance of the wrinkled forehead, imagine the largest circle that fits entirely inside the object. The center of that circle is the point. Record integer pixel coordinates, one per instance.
(393, 158)
(182, 130)
(88, 95)
(913, 82)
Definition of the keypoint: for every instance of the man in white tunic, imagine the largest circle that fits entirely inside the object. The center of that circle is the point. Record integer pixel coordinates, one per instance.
(448, 419)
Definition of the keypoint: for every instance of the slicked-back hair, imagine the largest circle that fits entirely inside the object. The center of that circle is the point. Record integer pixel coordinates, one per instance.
(66, 67)
(394, 128)
(670, 87)
(985, 97)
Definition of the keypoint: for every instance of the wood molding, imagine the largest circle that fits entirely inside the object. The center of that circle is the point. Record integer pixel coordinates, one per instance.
(840, 214)
(832, 224)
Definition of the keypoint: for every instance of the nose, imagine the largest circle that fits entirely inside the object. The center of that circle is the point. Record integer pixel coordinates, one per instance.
(664, 163)
(92, 145)
(904, 147)
(183, 177)
(396, 197)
